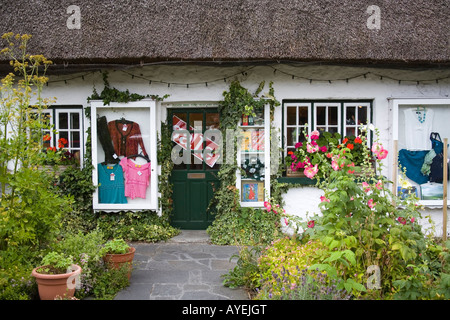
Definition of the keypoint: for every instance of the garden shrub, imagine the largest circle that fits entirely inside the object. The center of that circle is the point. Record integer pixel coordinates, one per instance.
(135, 226)
(287, 257)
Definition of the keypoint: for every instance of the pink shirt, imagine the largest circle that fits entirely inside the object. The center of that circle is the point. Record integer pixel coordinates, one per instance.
(137, 178)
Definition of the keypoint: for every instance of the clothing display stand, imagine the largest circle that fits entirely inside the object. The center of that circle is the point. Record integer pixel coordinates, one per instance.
(444, 217)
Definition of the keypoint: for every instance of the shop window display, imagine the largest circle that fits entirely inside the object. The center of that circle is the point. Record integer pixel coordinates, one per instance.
(124, 155)
(421, 131)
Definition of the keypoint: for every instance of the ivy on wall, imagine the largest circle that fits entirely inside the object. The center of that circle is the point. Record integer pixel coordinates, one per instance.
(233, 223)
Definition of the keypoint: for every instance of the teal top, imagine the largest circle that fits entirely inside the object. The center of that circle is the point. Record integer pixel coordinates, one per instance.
(111, 187)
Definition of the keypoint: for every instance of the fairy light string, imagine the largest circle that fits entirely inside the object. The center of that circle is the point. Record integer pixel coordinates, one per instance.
(245, 72)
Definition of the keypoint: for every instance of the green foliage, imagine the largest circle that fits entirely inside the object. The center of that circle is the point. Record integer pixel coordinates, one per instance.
(245, 226)
(31, 215)
(115, 246)
(164, 158)
(246, 272)
(109, 94)
(304, 285)
(56, 263)
(109, 282)
(234, 224)
(135, 226)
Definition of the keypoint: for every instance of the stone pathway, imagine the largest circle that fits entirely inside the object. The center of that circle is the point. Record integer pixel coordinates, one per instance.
(187, 267)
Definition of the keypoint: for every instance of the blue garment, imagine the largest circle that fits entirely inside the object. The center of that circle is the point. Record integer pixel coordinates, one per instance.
(413, 161)
(111, 187)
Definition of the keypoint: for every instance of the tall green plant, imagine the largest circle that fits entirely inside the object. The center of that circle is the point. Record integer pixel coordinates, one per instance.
(30, 207)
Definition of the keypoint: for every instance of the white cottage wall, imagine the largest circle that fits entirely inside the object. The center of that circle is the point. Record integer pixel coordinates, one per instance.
(197, 83)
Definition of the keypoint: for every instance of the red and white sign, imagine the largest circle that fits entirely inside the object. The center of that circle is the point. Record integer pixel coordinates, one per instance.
(196, 142)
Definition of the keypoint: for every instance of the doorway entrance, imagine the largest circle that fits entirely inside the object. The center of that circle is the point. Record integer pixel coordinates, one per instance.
(195, 179)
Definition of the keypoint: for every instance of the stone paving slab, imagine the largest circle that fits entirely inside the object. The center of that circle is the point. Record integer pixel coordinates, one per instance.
(185, 268)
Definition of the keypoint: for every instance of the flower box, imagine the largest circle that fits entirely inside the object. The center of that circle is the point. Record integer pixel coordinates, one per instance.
(295, 174)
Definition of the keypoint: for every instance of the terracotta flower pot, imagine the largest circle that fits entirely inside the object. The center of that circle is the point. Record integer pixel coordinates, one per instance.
(52, 285)
(117, 261)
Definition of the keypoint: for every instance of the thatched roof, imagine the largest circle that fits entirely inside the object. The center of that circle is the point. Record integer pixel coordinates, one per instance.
(141, 31)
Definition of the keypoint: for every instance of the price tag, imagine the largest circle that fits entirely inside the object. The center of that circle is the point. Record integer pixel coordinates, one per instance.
(139, 173)
(112, 177)
(125, 127)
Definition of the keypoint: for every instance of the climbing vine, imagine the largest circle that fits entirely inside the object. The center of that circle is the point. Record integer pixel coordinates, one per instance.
(110, 94)
(233, 223)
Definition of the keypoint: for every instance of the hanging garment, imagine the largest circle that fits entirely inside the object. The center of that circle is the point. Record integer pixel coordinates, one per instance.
(426, 167)
(137, 178)
(126, 137)
(412, 161)
(105, 140)
(418, 126)
(111, 188)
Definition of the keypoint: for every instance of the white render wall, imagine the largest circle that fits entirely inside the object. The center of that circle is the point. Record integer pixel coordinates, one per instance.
(203, 87)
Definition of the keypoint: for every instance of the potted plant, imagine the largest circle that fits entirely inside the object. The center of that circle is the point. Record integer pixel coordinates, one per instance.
(117, 254)
(57, 277)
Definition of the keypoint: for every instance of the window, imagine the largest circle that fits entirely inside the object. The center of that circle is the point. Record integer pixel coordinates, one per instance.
(344, 117)
(67, 123)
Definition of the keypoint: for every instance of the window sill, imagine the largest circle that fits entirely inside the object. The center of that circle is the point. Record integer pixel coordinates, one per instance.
(297, 180)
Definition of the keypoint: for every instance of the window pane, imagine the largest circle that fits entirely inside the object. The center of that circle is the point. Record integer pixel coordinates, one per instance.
(332, 115)
(362, 115)
(291, 115)
(332, 129)
(350, 132)
(75, 121)
(212, 121)
(196, 121)
(302, 115)
(350, 117)
(75, 139)
(291, 134)
(64, 135)
(321, 112)
(63, 120)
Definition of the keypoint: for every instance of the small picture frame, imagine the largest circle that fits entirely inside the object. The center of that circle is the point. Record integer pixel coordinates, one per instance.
(252, 191)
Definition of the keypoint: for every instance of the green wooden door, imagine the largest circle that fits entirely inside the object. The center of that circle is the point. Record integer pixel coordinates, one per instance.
(194, 183)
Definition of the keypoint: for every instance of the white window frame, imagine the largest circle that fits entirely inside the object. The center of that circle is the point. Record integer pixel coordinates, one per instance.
(327, 105)
(58, 130)
(297, 125)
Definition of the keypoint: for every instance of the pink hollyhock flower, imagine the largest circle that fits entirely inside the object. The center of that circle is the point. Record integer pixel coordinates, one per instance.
(334, 165)
(298, 145)
(268, 206)
(371, 204)
(324, 149)
(401, 220)
(311, 171)
(366, 186)
(324, 199)
(376, 147)
(382, 154)
(379, 185)
(311, 224)
(286, 221)
(315, 135)
(293, 166)
(412, 219)
(300, 165)
(311, 149)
